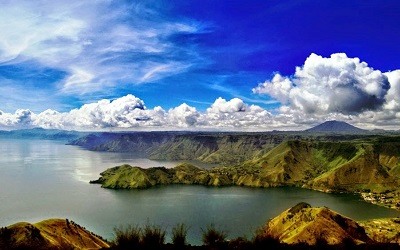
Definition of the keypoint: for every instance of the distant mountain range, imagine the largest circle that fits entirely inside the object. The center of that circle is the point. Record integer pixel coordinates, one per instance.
(40, 133)
(335, 127)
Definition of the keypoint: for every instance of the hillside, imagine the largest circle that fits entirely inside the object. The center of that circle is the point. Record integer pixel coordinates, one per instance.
(371, 166)
(49, 234)
(303, 223)
(210, 147)
(385, 230)
(334, 166)
(335, 127)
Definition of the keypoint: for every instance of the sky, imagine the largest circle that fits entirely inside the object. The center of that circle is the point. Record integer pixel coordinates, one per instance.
(199, 64)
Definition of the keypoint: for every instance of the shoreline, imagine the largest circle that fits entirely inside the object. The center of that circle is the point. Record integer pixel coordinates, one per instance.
(389, 199)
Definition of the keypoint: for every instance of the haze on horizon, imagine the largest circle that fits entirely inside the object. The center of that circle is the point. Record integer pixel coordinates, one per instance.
(199, 64)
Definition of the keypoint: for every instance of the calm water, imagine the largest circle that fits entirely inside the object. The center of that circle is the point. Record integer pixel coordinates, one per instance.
(42, 179)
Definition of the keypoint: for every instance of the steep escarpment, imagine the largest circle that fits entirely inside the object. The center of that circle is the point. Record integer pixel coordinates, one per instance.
(222, 148)
(305, 224)
(49, 234)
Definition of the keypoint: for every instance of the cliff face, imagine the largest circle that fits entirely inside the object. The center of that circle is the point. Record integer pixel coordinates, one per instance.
(49, 234)
(210, 147)
(303, 223)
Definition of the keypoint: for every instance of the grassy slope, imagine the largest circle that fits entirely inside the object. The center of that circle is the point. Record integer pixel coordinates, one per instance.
(54, 233)
(302, 223)
(383, 230)
(371, 165)
(224, 149)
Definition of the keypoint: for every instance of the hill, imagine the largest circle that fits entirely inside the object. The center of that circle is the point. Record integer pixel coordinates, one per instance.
(305, 224)
(49, 234)
(371, 166)
(335, 127)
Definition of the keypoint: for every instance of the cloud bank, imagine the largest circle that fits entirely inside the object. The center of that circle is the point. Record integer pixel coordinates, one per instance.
(130, 112)
(334, 88)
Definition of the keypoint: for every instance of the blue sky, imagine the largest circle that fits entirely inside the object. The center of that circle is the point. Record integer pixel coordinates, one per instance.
(60, 55)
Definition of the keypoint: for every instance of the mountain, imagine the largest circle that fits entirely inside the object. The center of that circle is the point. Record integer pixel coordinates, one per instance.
(40, 133)
(49, 234)
(335, 127)
(305, 224)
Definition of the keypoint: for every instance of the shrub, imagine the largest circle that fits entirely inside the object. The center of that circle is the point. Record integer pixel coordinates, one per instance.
(179, 233)
(153, 237)
(212, 236)
(128, 237)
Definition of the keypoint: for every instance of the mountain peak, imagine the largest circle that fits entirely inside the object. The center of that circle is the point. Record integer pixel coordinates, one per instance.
(335, 127)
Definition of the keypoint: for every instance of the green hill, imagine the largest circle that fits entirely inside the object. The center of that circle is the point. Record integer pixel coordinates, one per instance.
(371, 165)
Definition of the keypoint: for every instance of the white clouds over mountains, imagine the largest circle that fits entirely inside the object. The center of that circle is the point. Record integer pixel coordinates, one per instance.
(322, 89)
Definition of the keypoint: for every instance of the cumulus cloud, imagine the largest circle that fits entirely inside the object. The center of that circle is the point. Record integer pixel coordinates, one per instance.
(327, 85)
(130, 112)
(393, 95)
(222, 106)
(183, 116)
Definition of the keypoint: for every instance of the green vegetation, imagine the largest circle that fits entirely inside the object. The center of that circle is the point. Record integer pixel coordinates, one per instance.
(213, 237)
(128, 237)
(179, 233)
(368, 165)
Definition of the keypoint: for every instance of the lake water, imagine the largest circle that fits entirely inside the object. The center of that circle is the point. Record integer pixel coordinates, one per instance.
(46, 179)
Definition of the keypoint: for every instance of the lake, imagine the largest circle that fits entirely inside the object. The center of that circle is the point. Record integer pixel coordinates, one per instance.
(42, 179)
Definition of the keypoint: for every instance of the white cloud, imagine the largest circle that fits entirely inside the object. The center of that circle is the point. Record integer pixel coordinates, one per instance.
(98, 44)
(393, 95)
(183, 116)
(325, 85)
(308, 98)
(222, 106)
(129, 112)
